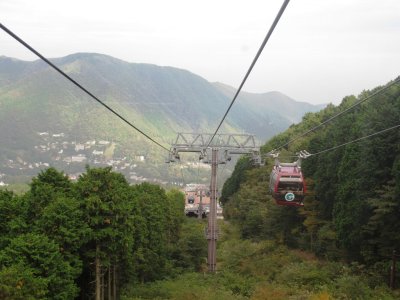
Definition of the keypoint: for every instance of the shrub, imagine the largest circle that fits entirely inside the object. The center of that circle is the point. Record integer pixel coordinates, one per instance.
(306, 274)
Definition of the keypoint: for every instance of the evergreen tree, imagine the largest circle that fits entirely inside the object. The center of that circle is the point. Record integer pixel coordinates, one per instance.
(151, 252)
(40, 257)
(105, 200)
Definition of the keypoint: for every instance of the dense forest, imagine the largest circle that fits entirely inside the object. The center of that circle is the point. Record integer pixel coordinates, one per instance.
(352, 209)
(87, 239)
(101, 238)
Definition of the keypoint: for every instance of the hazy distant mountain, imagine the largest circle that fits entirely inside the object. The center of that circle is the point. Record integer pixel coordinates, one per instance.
(266, 113)
(159, 100)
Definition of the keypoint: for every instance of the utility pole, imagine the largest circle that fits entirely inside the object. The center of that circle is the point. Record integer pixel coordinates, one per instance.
(222, 147)
(212, 228)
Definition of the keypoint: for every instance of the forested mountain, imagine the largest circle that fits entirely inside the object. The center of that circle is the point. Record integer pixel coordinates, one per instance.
(266, 114)
(100, 237)
(46, 120)
(352, 206)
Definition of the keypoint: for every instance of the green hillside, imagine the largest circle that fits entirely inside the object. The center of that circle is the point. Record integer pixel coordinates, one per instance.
(64, 239)
(100, 237)
(352, 207)
(263, 270)
(268, 113)
(35, 101)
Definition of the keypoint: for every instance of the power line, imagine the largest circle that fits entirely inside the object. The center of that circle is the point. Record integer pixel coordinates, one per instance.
(283, 7)
(357, 140)
(79, 85)
(341, 113)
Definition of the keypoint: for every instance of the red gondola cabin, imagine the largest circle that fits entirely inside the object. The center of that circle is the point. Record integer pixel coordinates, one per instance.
(287, 184)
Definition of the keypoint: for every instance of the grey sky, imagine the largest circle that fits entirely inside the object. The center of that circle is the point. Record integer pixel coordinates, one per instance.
(321, 50)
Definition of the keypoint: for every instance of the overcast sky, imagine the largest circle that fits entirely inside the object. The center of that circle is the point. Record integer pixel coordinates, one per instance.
(321, 50)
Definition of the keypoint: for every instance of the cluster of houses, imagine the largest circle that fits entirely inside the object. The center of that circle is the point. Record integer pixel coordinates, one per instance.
(90, 151)
(24, 165)
(63, 151)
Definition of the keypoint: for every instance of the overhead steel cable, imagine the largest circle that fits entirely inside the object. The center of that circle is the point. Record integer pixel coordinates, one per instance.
(340, 113)
(356, 140)
(278, 16)
(79, 85)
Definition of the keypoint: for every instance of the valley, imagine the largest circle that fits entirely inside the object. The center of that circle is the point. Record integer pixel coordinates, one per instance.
(45, 121)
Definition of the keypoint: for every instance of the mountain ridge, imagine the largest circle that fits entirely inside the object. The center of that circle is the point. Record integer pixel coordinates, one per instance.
(159, 100)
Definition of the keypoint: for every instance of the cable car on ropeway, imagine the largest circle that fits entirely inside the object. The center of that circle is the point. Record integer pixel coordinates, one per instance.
(286, 183)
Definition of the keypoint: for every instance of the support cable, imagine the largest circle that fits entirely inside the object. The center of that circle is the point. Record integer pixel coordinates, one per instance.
(79, 85)
(340, 113)
(356, 140)
(282, 9)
